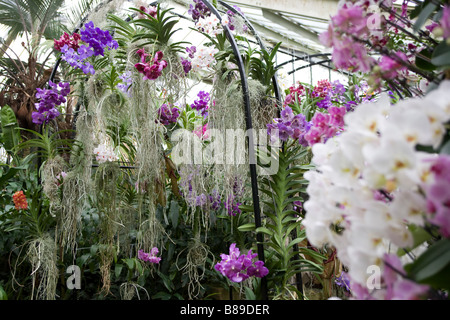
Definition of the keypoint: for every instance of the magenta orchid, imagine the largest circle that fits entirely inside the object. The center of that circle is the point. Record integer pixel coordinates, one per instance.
(149, 257)
(238, 267)
(151, 70)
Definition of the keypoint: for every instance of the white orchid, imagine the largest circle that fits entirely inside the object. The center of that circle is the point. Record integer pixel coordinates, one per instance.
(370, 180)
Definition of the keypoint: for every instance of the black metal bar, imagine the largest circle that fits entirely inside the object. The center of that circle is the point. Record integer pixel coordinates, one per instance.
(305, 57)
(251, 144)
(309, 65)
(121, 167)
(299, 281)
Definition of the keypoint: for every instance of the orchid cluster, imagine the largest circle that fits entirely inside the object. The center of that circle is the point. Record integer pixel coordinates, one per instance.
(151, 70)
(210, 25)
(167, 115)
(201, 104)
(349, 23)
(333, 99)
(104, 154)
(329, 94)
(363, 26)
(59, 179)
(349, 29)
(151, 11)
(202, 58)
(202, 132)
(229, 20)
(437, 195)
(97, 39)
(332, 93)
(76, 55)
(72, 41)
(213, 200)
(237, 267)
(322, 88)
(198, 10)
(324, 126)
(20, 200)
(193, 197)
(48, 100)
(149, 257)
(186, 63)
(125, 84)
(294, 94)
(233, 200)
(371, 182)
(289, 126)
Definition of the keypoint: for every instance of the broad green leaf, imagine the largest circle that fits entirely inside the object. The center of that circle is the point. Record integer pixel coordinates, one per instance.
(419, 235)
(246, 208)
(9, 126)
(249, 294)
(423, 60)
(445, 148)
(130, 263)
(441, 55)
(247, 227)
(431, 263)
(3, 295)
(174, 213)
(264, 230)
(424, 16)
(9, 174)
(118, 270)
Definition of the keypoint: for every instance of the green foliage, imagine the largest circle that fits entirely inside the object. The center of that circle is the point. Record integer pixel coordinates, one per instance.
(120, 133)
(262, 67)
(45, 145)
(10, 136)
(435, 56)
(433, 266)
(41, 17)
(426, 11)
(35, 221)
(441, 55)
(282, 228)
(7, 172)
(156, 31)
(3, 295)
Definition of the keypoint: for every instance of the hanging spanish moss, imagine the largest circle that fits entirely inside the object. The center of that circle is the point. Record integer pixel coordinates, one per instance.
(196, 264)
(196, 194)
(227, 117)
(129, 290)
(263, 107)
(42, 254)
(146, 99)
(99, 13)
(106, 178)
(151, 231)
(77, 184)
(53, 172)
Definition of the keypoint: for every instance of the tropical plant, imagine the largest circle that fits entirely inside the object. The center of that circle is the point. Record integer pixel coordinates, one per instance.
(284, 236)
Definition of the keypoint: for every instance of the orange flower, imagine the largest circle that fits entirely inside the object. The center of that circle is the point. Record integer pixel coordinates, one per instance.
(20, 201)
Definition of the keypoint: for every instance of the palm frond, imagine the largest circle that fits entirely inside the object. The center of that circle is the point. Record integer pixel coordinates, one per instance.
(80, 11)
